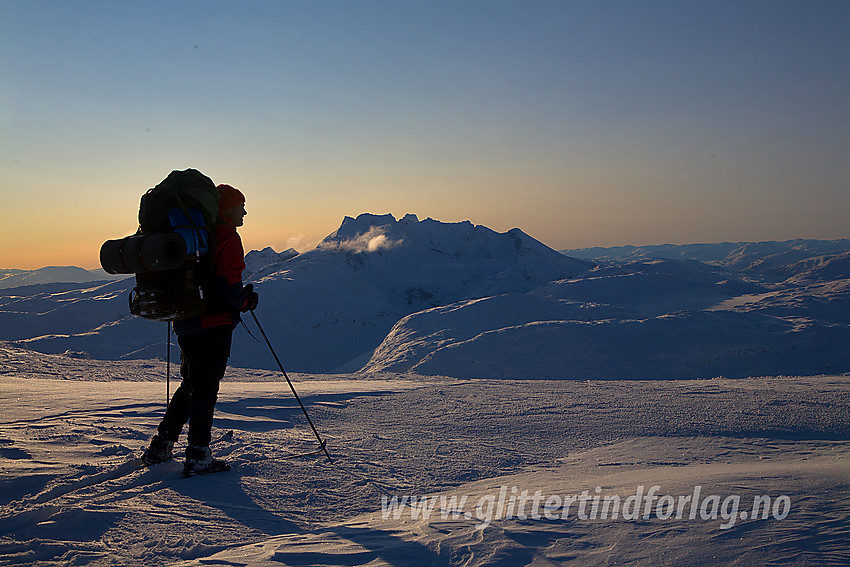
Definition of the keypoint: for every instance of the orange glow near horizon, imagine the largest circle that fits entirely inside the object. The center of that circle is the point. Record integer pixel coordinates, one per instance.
(581, 123)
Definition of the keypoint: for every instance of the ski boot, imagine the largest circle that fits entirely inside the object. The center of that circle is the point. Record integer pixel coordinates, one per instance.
(158, 451)
(199, 460)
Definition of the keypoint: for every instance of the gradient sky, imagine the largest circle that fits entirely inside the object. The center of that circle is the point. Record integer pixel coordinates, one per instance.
(584, 123)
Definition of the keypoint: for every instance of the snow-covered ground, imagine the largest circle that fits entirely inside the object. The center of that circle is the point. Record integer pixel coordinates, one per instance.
(538, 465)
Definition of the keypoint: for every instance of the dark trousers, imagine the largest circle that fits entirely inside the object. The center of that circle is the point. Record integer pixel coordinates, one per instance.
(203, 360)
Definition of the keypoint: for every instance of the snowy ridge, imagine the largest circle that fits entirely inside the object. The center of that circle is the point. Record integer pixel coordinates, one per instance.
(755, 257)
(821, 269)
(256, 260)
(687, 344)
(52, 274)
(647, 319)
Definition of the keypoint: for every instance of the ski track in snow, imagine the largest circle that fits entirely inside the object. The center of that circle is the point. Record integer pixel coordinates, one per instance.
(72, 491)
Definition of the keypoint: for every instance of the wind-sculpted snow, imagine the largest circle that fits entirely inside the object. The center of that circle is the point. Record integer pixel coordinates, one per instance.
(427, 471)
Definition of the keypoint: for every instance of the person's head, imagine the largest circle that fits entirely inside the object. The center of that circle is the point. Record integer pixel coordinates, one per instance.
(231, 205)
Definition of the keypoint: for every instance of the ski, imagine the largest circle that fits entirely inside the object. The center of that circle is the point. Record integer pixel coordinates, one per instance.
(222, 466)
(228, 436)
(139, 462)
(217, 466)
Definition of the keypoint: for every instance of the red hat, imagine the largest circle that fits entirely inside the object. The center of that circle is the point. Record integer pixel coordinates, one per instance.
(229, 197)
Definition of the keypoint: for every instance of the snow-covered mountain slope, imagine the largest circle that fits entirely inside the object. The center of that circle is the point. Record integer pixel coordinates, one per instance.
(417, 336)
(652, 287)
(821, 269)
(52, 274)
(459, 342)
(773, 258)
(429, 263)
(256, 260)
(86, 317)
(325, 309)
(330, 307)
(650, 319)
(462, 300)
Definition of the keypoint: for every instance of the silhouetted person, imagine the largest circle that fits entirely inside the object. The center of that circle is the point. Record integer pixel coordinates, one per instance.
(205, 346)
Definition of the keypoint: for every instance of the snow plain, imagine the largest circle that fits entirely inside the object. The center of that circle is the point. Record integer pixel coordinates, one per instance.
(72, 493)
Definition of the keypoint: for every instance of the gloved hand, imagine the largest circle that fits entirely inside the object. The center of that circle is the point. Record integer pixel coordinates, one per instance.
(253, 299)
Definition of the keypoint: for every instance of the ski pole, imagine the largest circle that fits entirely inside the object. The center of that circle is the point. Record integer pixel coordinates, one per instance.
(168, 367)
(291, 387)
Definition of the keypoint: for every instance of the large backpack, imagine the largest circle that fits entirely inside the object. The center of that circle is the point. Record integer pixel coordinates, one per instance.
(172, 253)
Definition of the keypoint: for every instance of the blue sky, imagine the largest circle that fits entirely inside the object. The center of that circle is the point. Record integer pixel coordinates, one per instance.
(583, 123)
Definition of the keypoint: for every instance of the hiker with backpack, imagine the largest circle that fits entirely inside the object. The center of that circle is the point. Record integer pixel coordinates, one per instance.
(204, 341)
(188, 261)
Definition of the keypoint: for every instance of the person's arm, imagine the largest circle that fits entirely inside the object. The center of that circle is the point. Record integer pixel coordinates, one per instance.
(230, 263)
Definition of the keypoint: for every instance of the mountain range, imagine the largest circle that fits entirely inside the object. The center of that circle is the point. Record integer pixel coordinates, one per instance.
(382, 294)
(778, 258)
(10, 278)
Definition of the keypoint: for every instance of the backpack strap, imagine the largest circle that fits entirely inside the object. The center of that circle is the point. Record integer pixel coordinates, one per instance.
(198, 229)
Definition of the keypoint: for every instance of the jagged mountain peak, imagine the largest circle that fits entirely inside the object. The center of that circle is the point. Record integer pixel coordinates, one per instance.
(457, 240)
